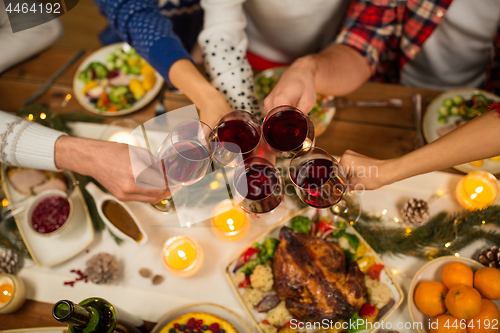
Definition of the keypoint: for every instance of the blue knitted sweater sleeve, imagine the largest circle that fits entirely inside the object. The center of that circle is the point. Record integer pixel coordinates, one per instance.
(140, 24)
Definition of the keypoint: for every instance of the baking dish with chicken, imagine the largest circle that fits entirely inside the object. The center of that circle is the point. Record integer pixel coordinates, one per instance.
(312, 274)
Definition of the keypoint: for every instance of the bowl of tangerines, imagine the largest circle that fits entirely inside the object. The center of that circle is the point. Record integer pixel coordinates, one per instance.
(455, 295)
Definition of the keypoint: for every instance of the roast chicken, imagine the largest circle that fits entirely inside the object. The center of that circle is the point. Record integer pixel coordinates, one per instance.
(313, 279)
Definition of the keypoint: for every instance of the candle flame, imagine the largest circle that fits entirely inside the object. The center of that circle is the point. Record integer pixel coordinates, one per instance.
(182, 255)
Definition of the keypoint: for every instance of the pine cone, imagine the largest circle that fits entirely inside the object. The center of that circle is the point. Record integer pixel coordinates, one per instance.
(102, 268)
(490, 257)
(416, 212)
(10, 262)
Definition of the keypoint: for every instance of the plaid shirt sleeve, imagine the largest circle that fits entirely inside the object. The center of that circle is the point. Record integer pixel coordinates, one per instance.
(369, 25)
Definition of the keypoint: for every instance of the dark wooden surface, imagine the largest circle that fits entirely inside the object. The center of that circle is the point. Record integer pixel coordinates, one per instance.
(377, 132)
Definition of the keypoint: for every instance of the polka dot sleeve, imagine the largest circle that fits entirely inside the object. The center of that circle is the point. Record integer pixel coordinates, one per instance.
(140, 24)
(224, 44)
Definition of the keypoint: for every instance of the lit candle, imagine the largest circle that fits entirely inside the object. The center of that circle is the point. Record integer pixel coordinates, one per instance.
(12, 293)
(182, 256)
(229, 223)
(477, 190)
(123, 137)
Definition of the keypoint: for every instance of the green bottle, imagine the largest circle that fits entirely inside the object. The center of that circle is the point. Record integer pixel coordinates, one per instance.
(95, 315)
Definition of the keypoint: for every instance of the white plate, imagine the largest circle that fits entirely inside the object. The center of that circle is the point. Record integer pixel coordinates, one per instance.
(100, 56)
(48, 251)
(432, 272)
(431, 125)
(215, 309)
(385, 276)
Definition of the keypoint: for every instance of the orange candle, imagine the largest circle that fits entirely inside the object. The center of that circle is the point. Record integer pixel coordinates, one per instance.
(229, 224)
(477, 190)
(182, 256)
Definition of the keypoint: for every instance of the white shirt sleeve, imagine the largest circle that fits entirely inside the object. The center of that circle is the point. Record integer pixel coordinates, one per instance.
(27, 144)
(224, 44)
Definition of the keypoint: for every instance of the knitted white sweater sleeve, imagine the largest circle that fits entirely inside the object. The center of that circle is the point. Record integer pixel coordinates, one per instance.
(224, 44)
(26, 144)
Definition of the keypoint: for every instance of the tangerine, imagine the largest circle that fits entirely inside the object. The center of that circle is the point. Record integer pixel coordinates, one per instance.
(463, 302)
(429, 298)
(457, 273)
(484, 321)
(487, 282)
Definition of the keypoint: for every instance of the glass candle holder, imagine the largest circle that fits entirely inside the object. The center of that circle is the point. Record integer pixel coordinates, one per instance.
(477, 190)
(12, 293)
(182, 256)
(121, 131)
(229, 223)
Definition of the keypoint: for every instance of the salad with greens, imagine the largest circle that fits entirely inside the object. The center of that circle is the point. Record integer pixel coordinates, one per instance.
(466, 109)
(120, 82)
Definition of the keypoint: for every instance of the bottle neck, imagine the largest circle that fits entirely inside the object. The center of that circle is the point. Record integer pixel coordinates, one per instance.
(70, 313)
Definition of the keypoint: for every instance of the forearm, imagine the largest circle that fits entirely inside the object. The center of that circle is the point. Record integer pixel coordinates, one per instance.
(76, 154)
(338, 70)
(186, 77)
(478, 139)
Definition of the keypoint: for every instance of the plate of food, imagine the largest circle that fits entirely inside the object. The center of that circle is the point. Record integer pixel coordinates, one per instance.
(115, 80)
(265, 81)
(453, 293)
(54, 228)
(454, 108)
(313, 273)
(200, 318)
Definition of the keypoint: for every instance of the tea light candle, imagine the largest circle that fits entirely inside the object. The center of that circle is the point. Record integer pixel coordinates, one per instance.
(123, 137)
(477, 190)
(12, 293)
(182, 256)
(229, 224)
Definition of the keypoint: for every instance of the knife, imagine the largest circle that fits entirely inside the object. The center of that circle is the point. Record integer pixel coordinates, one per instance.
(418, 141)
(43, 89)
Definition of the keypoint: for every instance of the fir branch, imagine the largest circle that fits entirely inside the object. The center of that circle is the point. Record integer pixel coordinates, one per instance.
(428, 241)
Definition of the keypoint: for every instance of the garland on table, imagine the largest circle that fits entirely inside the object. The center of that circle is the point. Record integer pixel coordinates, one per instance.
(445, 234)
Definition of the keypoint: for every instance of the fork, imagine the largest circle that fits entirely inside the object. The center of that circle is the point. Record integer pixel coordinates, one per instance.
(343, 102)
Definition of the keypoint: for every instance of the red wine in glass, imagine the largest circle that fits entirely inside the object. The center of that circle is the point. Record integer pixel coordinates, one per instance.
(185, 154)
(258, 185)
(186, 162)
(238, 136)
(235, 138)
(288, 131)
(317, 178)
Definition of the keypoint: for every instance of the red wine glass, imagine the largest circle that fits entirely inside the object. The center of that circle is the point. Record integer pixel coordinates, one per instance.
(258, 189)
(235, 138)
(317, 177)
(185, 154)
(288, 131)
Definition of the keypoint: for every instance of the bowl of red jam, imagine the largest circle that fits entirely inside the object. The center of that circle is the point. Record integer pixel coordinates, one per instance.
(50, 213)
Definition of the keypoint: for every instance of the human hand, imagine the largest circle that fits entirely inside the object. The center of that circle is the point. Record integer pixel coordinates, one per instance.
(366, 173)
(109, 163)
(213, 108)
(295, 87)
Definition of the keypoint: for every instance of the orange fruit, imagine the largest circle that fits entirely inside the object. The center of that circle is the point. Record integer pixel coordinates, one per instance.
(457, 273)
(447, 324)
(429, 298)
(463, 302)
(489, 312)
(487, 281)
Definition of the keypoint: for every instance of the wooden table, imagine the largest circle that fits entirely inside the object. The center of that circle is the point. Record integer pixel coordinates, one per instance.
(378, 132)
